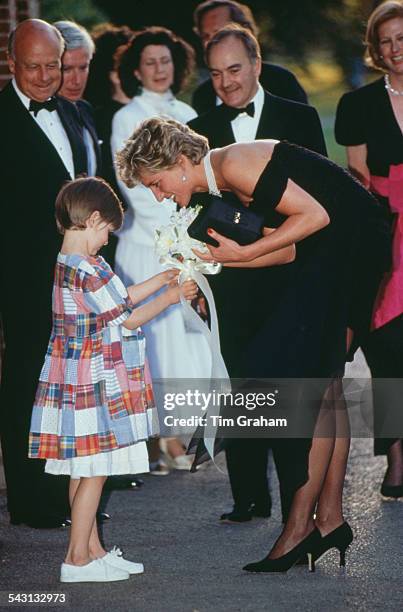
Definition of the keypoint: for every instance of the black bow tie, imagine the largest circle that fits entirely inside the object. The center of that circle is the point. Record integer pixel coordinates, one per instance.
(232, 112)
(49, 105)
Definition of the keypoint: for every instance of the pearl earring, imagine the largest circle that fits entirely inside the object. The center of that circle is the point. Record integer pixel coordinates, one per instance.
(184, 179)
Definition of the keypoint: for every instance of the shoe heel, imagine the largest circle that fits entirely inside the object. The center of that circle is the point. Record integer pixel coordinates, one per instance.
(311, 562)
(343, 557)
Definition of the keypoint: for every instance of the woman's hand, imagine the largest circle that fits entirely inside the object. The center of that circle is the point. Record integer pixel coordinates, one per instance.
(189, 290)
(227, 251)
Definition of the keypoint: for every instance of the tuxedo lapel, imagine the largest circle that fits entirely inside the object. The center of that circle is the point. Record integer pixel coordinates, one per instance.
(271, 120)
(220, 132)
(94, 137)
(27, 131)
(272, 123)
(87, 117)
(72, 124)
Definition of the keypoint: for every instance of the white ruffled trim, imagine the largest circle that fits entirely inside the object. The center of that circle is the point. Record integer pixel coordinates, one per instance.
(128, 460)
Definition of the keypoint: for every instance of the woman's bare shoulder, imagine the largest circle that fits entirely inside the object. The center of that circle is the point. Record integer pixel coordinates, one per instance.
(242, 163)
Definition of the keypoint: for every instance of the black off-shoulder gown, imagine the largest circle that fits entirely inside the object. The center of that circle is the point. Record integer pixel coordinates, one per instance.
(335, 275)
(301, 331)
(332, 286)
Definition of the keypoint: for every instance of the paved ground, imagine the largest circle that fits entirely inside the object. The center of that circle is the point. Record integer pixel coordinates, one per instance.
(194, 564)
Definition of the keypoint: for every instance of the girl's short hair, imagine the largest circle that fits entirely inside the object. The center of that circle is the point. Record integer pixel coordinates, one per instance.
(129, 57)
(156, 145)
(78, 199)
(385, 11)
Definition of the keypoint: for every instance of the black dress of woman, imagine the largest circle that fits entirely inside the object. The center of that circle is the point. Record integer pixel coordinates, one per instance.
(301, 334)
(335, 275)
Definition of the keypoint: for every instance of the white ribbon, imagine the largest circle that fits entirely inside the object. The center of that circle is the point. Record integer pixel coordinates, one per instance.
(195, 270)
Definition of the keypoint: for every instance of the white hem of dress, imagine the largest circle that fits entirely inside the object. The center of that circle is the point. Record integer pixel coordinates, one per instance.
(128, 460)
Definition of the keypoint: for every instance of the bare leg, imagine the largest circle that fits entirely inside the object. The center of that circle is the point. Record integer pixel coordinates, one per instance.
(153, 447)
(95, 547)
(84, 498)
(174, 447)
(300, 521)
(394, 473)
(329, 512)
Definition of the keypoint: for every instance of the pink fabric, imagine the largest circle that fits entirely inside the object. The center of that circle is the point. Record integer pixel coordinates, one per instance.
(389, 301)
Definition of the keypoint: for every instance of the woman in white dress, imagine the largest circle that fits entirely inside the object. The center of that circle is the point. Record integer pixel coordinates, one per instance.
(152, 68)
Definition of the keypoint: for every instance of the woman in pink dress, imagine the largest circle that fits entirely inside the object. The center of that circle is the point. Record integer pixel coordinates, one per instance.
(369, 123)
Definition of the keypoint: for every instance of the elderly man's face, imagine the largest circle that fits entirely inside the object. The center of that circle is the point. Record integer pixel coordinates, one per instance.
(234, 76)
(75, 68)
(37, 64)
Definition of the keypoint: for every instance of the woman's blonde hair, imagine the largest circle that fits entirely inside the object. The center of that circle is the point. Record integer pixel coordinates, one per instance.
(156, 145)
(385, 11)
(78, 199)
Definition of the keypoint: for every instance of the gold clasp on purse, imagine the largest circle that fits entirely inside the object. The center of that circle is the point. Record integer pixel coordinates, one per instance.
(237, 217)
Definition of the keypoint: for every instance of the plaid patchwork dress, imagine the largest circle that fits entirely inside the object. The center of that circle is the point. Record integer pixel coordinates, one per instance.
(94, 403)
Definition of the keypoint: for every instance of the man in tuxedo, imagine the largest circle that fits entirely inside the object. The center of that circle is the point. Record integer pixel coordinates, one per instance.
(211, 16)
(41, 147)
(248, 113)
(76, 59)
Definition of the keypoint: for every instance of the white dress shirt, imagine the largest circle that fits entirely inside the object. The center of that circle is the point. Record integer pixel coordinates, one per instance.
(51, 125)
(244, 126)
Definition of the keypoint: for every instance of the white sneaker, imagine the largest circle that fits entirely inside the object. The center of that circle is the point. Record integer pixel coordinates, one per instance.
(159, 468)
(115, 558)
(95, 571)
(181, 462)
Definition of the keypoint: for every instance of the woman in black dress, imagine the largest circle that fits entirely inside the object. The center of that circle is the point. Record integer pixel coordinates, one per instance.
(308, 200)
(369, 123)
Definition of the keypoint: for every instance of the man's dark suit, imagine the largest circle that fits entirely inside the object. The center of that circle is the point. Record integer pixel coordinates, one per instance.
(275, 79)
(237, 291)
(86, 113)
(31, 174)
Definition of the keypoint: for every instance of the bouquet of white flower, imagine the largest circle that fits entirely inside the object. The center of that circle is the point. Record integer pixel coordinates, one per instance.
(174, 245)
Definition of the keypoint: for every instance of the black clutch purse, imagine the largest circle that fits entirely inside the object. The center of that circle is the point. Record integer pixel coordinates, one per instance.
(235, 222)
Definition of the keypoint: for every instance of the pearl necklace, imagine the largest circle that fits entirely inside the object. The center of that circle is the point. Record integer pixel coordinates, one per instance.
(388, 86)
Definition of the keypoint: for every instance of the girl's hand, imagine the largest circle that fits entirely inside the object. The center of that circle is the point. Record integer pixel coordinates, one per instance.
(227, 251)
(188, 290)
(168, 276)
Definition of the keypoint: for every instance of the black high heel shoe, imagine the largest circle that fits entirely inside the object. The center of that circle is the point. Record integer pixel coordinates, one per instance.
(394, 491)
(339, 538)
(284, 563)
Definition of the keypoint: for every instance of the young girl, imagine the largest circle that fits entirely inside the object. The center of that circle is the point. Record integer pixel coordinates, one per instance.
(94, 404)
